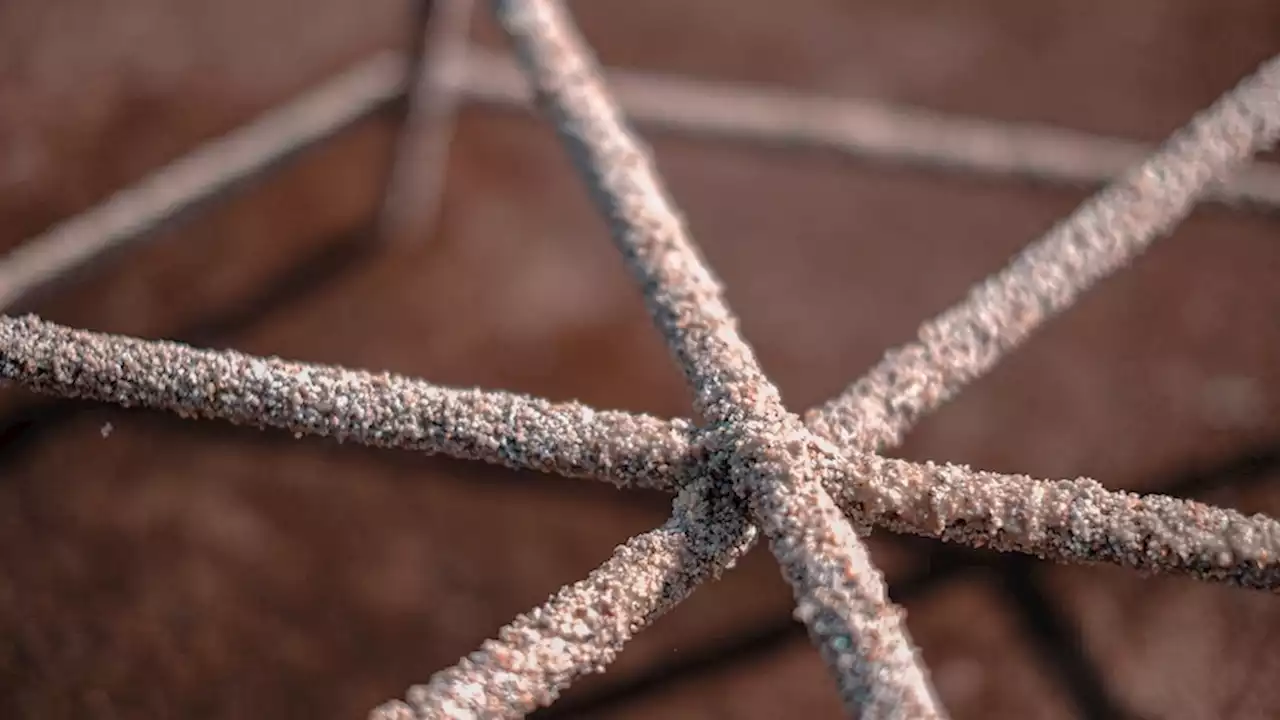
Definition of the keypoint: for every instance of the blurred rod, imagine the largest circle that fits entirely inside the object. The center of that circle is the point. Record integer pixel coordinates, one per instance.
(208, 172)
(866, 129)
(738, 112)
(420, 153)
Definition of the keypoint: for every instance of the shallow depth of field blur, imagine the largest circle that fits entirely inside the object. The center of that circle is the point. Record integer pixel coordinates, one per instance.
(154, 567)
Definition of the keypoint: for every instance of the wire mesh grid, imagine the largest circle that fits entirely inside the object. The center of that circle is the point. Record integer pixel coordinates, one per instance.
(748, 465)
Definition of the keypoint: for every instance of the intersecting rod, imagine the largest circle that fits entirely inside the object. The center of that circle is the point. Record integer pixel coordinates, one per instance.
(1247, 469)
(696, 665)
(660, 464)
(1250, 103)
(1071, 520)
(841, 596)
(1076, 521)
(1261, 130)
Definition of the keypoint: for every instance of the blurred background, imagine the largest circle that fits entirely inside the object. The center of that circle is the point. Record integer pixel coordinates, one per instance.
(154, 567)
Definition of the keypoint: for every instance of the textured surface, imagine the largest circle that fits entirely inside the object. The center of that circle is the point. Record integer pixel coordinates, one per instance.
(1173, 364)
(769, 459)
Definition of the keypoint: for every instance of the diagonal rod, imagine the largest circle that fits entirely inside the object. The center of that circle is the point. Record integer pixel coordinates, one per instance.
(696, 664)
(585, 624)
(858, 127)
(132, 213)
(1077, 521)
(1244, 102)
(865, 128)
(984, 493)
(1102, 236)
(1248, 468)
(840, 595)
(376, 409)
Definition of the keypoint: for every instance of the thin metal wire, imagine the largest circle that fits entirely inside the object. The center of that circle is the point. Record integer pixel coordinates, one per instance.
(211, 170)
(1075, 521)
(943, 566)
(767, 454)
(866, 129)
(1240, 121)
(412, 200)
(860, 128)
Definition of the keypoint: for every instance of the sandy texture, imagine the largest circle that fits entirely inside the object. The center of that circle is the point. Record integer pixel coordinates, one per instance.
(756, 432)
(582, 628)
(534, 658)
(787, 320)
(1099, 238)
(1076, 521)
(381, 410)
(764, 449)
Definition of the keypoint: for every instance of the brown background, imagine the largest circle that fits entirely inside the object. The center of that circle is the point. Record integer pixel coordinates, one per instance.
(179, 569)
